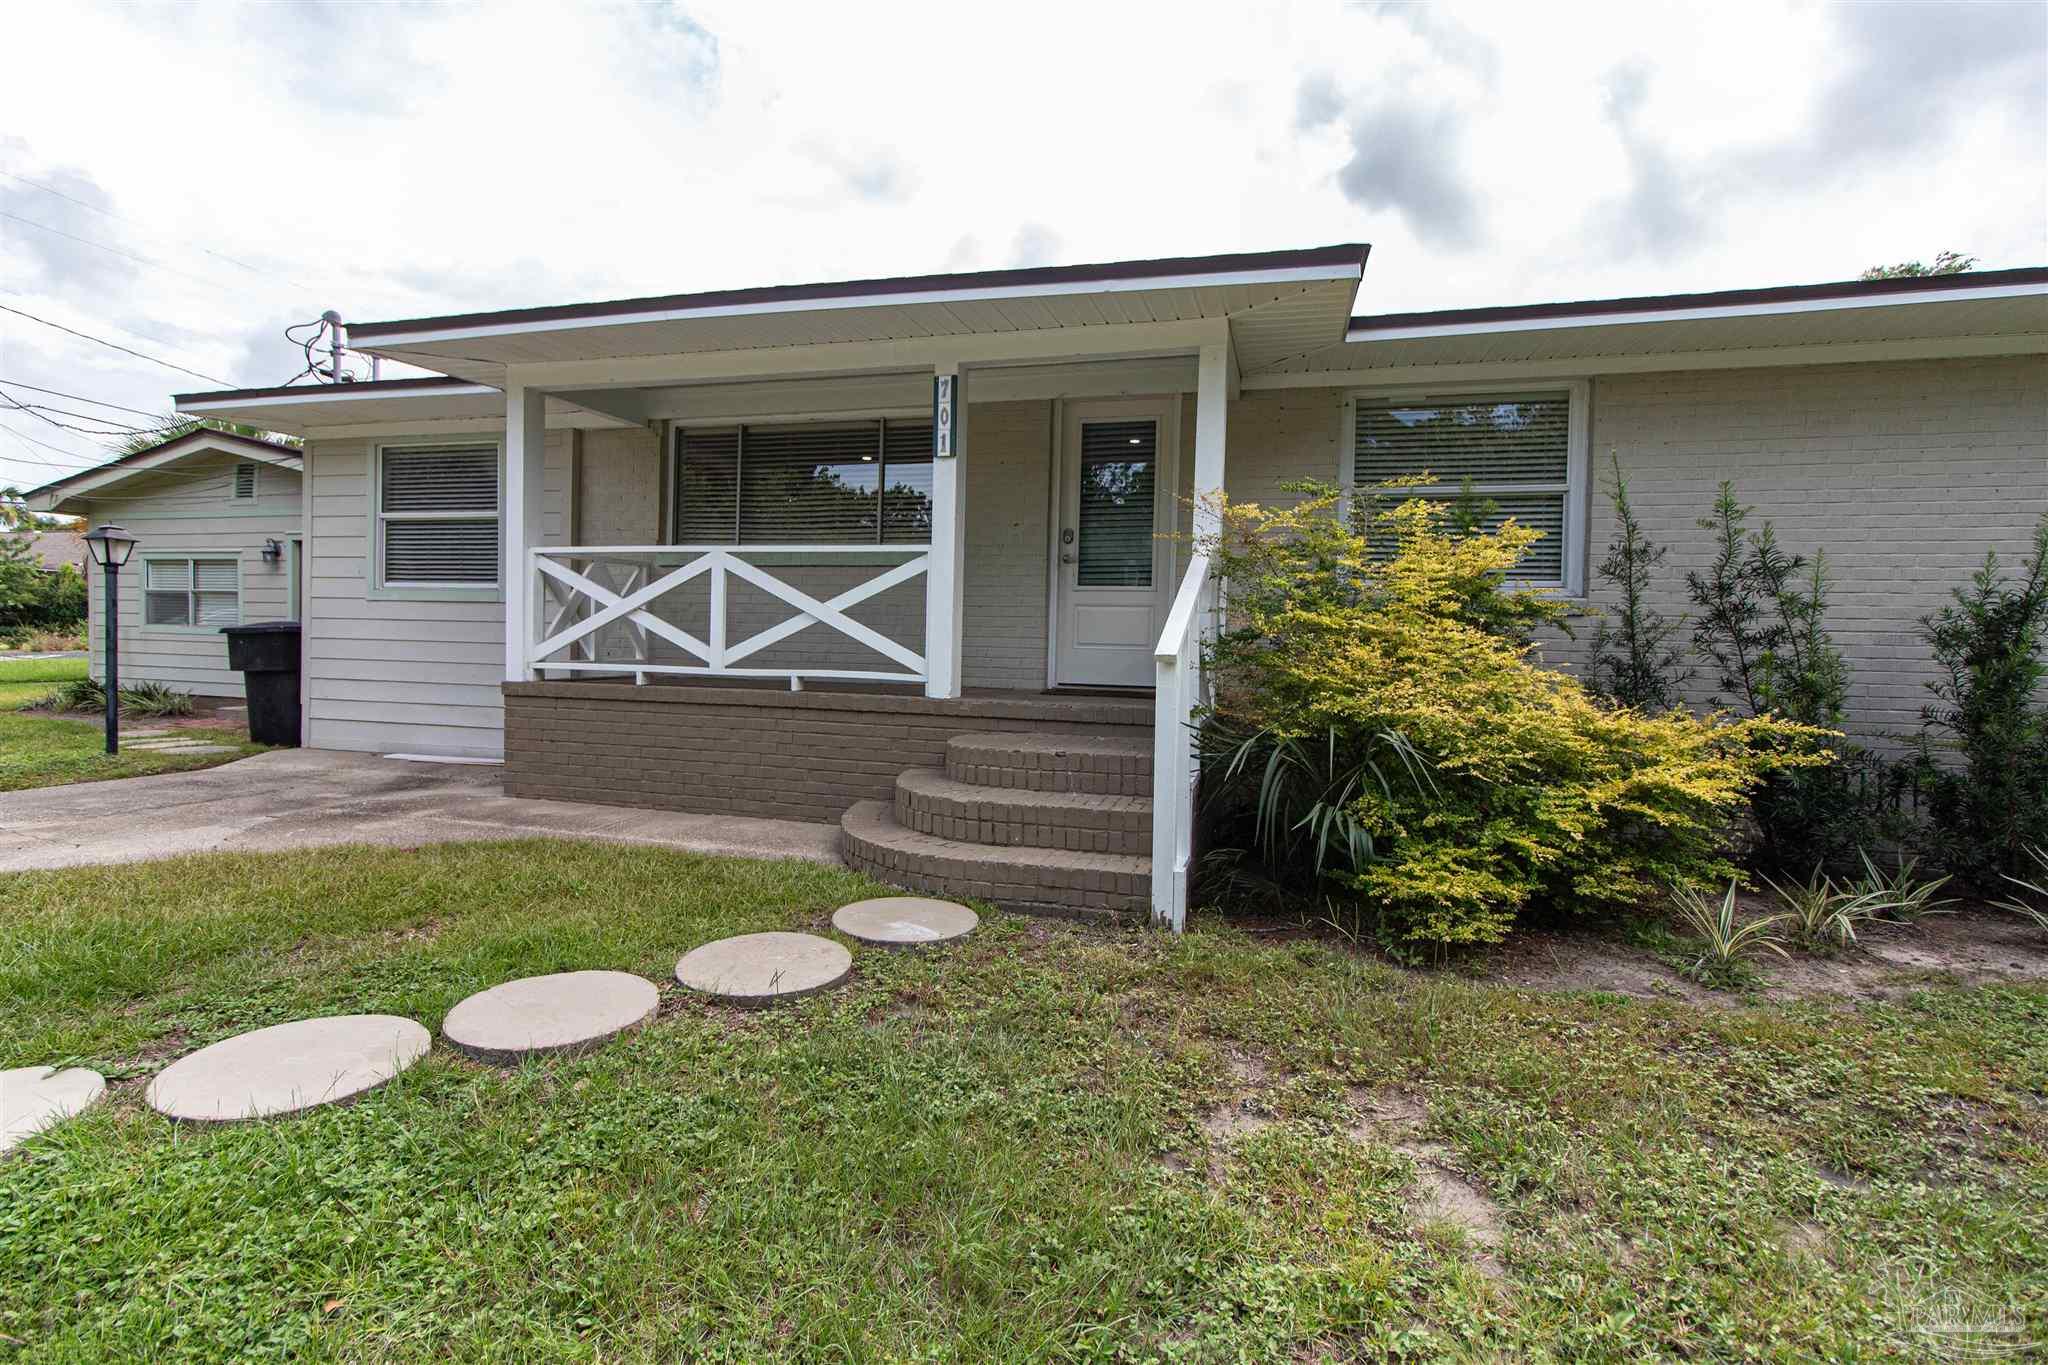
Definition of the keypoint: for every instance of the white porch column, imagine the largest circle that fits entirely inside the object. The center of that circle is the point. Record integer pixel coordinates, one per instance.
(1212, 403)
(525, 484)
(944, 580)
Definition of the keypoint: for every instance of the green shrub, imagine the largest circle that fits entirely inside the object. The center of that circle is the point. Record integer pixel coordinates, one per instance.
(79, 694)
(155, 700)
(1982, 766)
(1509, 785)
(1762, 621)
(1633, 661)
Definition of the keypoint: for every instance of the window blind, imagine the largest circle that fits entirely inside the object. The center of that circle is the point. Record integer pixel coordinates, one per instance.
(815, 483)
(1514, 448)
(1119, 466)
(438, 515)
(191, 592)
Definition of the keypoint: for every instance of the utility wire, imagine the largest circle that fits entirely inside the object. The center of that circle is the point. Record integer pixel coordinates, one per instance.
(111, 345)
(105, 426)
(116, 251)
(76, 397)
(122, 218)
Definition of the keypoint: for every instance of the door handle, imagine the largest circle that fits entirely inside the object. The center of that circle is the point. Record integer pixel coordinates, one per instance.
(1066, 558)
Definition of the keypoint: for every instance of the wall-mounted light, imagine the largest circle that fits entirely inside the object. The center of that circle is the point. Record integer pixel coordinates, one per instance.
(272, 551)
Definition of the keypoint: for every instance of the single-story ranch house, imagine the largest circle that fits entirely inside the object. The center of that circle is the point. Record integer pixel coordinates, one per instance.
(216, 517)
(898, 552)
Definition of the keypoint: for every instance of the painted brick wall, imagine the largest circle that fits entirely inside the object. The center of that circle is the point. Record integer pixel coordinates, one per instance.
(1903, 474)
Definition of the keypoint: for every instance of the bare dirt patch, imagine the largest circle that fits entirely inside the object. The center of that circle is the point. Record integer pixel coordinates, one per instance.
(1585, 962)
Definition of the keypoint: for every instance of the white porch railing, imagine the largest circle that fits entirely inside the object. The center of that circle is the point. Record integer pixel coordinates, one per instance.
(1177, 670)
(592, 596)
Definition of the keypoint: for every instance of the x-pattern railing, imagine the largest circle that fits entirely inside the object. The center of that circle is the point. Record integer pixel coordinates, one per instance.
(620, 584)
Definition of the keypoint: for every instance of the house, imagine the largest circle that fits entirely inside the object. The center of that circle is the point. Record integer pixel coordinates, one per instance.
(899, 553)
(59, 550)
(217, 527)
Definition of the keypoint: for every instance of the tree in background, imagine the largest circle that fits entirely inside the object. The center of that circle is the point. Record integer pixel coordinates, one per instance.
(174, 426)
(1633, 661)
(1947, 263)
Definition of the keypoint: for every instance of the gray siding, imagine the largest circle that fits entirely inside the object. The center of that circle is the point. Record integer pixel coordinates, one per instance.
(189, 508)
(413, 675)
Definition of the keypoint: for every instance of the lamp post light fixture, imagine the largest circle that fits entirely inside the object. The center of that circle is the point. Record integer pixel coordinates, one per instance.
(111, 546)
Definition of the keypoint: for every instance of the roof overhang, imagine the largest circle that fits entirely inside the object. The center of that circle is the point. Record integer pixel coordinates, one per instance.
(69, 493)
(375, 406)
(1274, 304)
(1988, 313)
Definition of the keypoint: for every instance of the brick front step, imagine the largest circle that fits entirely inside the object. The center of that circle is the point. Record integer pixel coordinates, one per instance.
(1045, 761)
(1033, 880)
(930, 802)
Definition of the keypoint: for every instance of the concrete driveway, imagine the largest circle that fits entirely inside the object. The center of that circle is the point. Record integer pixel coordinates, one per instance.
(309, 798)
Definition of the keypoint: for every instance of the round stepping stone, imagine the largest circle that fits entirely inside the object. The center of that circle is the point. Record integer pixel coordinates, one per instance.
(904, 921)
(760, 969)
(288, 1067)
(536, 1015)
(33, 1098)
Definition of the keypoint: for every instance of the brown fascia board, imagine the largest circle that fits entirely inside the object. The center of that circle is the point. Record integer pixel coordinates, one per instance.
(1726, 298)
(425, 384)
(1348, 258)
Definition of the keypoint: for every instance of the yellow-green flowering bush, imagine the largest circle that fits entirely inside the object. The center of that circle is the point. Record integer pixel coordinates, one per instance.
(1478, 783)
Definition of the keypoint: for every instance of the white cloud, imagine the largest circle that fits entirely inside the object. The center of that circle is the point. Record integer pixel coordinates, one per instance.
(273, 161)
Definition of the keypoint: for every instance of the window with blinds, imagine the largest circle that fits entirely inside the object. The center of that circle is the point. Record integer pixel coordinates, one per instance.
(1119, 471)
(191, 592)
(1514, 448)
(437, 517)
(812, 483)
(245, 481)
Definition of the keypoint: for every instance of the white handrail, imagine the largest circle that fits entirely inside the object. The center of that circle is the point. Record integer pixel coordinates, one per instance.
(1177, 678)
(589, 607)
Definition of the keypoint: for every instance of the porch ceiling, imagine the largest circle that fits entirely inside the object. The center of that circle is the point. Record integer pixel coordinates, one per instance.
(1277, 303)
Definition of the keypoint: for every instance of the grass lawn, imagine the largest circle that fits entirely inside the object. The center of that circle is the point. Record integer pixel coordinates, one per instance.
(1050, 1140)
(42, 750)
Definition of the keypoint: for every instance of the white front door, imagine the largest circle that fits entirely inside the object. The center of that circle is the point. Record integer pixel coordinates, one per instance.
(1113, 560)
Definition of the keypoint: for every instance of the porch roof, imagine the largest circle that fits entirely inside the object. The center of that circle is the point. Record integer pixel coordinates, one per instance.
(1977, 313)
(430, 402)
(1278, 303)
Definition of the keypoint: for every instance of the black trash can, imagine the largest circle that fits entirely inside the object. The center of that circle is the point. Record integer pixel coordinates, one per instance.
(266, 653)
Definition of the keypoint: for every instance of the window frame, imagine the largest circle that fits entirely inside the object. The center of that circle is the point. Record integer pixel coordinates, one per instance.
(146, 557)
(671, 511)
(1577, 488)
(410, 591)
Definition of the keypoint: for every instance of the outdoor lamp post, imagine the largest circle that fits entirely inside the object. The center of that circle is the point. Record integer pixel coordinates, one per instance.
(111, 546)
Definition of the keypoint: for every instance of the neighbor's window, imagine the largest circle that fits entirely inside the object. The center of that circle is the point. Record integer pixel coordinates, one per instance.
(1515, 448)
(437, 516)
(815, 483)
(191, 592)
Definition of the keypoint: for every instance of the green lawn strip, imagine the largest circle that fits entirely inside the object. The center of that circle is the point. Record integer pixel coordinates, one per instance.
(25, 680)
(47, 751)
(996, 1150)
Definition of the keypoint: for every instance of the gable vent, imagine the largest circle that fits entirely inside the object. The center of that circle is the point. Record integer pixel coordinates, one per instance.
(245, 480)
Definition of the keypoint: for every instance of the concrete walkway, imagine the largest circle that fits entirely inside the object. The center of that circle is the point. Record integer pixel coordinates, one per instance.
(310, 798)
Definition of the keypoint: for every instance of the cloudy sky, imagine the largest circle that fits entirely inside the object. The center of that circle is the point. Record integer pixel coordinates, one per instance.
(186, 180)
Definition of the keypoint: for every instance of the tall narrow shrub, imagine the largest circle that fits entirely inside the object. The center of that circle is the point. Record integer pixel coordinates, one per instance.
(1983, 757)
(1634, 661)
(1761, 616)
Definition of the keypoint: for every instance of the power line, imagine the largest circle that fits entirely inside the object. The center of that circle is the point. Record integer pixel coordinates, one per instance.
(113, 346)
(76, 397)
(102, 426)
(116, 251)
(122, 218)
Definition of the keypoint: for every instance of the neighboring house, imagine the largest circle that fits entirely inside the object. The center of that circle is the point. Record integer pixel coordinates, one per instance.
(56, 550)
(216, 522)
(750, 552)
